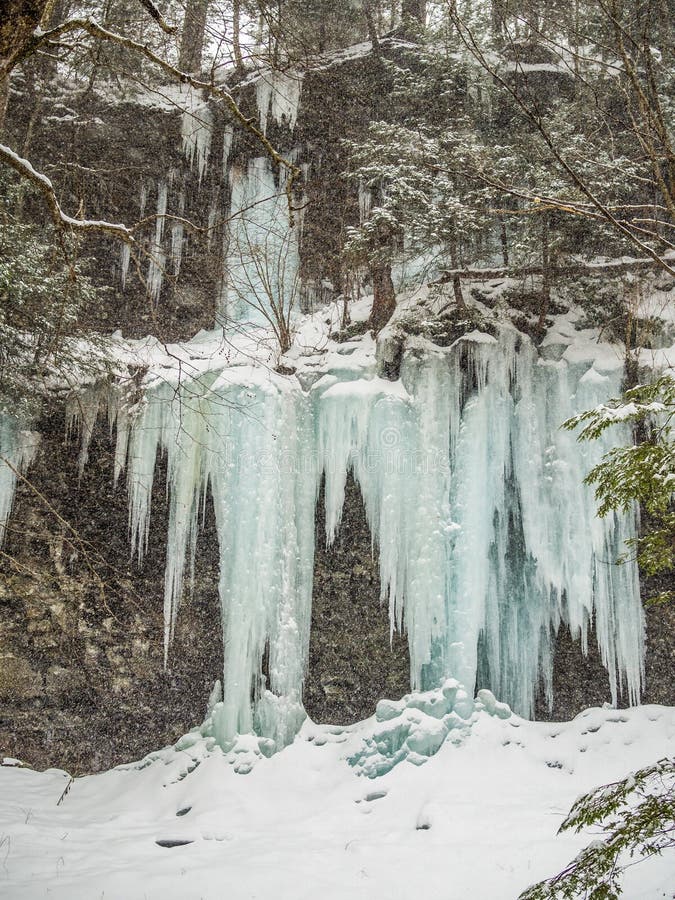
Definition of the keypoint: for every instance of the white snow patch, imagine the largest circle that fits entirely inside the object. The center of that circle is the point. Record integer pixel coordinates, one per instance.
(483, 813)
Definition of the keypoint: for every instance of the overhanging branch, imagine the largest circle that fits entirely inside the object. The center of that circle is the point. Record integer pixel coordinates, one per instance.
(93, 28)
(60, 219)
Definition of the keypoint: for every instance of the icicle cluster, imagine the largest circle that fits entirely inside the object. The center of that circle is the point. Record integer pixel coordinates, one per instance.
(239, 433)
(278, 95)
(196, 129)
(17, 450)
(487, 536)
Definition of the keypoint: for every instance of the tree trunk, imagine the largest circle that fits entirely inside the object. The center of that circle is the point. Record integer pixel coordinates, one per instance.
(4, 97)
(18, 20)
(415, 10)
(236, 40)
(631, 303)
(192, 41)
(456, 282)
(545, 276)
(504, 241)
(372, 29)
(497, 19)
(384, 296)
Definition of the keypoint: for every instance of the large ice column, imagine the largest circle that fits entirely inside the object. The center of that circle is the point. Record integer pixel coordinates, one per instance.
(575, 551)
(264, 504)
(261, 268)
(243, 434)
(18, 446)
(488, 537)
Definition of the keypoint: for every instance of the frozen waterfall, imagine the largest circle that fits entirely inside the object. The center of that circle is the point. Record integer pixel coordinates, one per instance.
(487, 536)
(261, 250)
(17, 449)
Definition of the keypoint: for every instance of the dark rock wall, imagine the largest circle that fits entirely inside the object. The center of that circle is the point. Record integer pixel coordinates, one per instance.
(353, 663)
(100, 151)
(82, 683)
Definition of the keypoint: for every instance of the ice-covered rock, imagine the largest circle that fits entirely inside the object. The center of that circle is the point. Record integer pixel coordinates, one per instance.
(416, 727)
(18, 446)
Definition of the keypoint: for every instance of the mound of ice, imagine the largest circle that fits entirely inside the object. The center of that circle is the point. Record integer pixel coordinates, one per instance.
(242, 751)
(416, 727)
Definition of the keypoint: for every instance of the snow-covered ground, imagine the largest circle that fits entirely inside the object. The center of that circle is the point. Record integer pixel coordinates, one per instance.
(477, 820)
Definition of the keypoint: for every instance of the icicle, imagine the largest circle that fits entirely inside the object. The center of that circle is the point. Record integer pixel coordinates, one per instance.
(212, 220)
(263, 96)
(18, 447)
(125, 258)
(196, 130)
(82, 411)
(144, 443)
(157, 263)
(178, 236)
(365, 202)
(278, 95)
(228, 135)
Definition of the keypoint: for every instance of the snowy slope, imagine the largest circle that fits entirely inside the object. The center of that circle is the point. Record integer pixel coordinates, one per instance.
(478, 820)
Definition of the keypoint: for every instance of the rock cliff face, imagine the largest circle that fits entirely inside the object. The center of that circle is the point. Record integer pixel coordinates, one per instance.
(82, 683)
(155, 156)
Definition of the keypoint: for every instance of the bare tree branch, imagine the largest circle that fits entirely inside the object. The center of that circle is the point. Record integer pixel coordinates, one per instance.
(93, 28)
(61, 219)
(610, 267)
(157, 16)
(40, 38)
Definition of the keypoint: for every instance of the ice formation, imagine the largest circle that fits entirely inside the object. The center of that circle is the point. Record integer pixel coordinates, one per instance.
(178, 235)
(487, 536)
(228, 137)
(125, 259)
(196, 129)
(239, 433)
(416, 727)
(278, 95)
(261, 247)
(17, 449)
(365, 202)
(157, 254)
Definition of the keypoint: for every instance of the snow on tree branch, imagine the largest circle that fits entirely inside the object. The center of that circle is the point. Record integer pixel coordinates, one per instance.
(61, 219)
